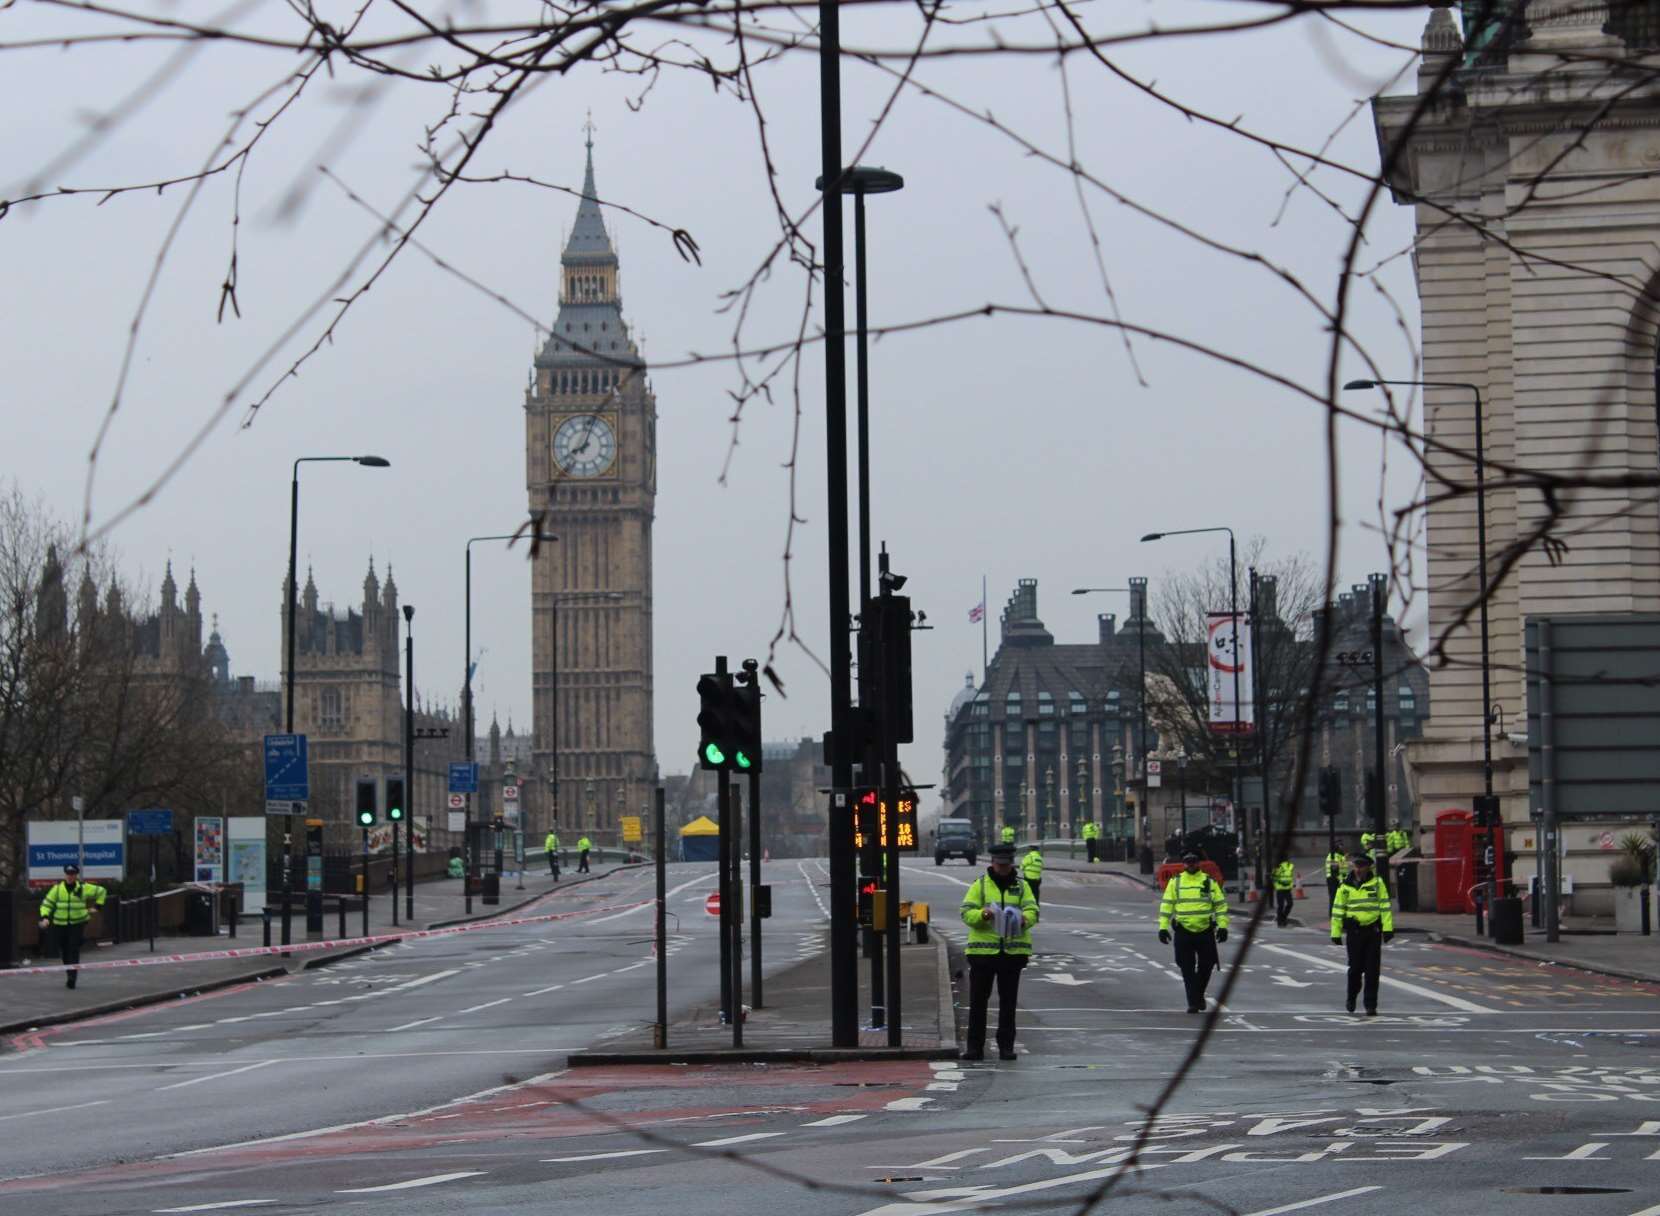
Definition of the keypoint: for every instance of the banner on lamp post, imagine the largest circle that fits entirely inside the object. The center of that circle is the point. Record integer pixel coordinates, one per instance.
(1226, 716)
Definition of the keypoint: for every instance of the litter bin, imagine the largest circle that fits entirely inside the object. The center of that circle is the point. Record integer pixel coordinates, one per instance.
(1146, 859)
(1507, 922)
(491, 884)
(198, 914)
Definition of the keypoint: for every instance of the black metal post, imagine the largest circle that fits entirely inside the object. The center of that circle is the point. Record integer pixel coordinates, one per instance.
(394, 874)
(293, 595)
(553, 648)
(844, 978)
(153, 916)
(1236, 741)
(862, 374)
(723, 864)
(409, 773)
(755, 887)
(661, 1038)
(1181, 778)
(1268, 834)
(735, 884)
(1380, 817)
(365, 832)
(891, 792)
(468, 862)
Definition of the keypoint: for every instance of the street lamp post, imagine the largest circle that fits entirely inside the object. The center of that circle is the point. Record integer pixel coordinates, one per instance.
(1141, 687)
(1487, 813)
(408, 774)
(370, 462)
(467, 696)
(1238, 708)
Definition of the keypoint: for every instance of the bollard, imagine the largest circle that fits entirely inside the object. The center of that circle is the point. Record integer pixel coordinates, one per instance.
(234, 907)
(266, 914)
(340, 903)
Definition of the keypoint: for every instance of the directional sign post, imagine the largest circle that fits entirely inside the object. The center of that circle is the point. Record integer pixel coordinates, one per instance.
(463, 777)
(150, 823)
(287, 779)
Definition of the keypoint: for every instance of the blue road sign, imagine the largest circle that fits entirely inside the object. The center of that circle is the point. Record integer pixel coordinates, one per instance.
(464, 777)
(286, 774)
(153, 822)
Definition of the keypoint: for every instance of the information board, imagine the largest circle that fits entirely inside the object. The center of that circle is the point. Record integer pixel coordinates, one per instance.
(871, 816)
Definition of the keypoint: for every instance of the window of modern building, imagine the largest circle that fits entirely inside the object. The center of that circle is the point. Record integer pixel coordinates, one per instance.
(1409, 702)
(1075, 704)
(1046, 704)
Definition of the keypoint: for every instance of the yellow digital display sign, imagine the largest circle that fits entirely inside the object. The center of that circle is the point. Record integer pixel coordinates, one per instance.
(871, 816)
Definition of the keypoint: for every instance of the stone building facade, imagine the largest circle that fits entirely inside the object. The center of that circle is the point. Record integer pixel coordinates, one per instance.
(590, 470)
(1531, 173)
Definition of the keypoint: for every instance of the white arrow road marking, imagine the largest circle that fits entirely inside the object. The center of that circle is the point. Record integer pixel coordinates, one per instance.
(1316, 1202)
(959, 1199)
(214, 1076)
(434, 1180)
(220, 1206)
(833, 1120)
(1062, 977)
(1415, 989)
(908, 1103)
(625, 1152)
(1281, 978)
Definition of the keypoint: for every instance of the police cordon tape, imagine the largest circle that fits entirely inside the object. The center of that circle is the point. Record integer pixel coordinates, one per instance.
(378, 939)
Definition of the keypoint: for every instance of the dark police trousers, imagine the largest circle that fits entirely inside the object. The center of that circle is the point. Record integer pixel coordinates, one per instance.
(1365, 946)
(1089, 846)
(1196, 956)
(985, 970)
(553, 861)
(1282, 906)
(1331, 891)
(69, 944)
(1037, 889)
(582, 862)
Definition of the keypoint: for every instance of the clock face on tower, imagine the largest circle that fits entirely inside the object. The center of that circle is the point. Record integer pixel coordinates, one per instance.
(584, 445)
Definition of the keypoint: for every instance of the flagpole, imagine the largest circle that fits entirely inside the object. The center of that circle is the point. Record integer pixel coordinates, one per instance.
(985, 662)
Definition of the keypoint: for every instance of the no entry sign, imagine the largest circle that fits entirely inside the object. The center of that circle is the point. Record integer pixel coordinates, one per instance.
(712, 904)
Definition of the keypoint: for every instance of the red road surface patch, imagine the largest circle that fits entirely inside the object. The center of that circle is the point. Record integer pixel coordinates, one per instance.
(664, 1106)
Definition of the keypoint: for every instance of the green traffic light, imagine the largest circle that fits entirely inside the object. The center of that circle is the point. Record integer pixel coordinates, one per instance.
(366, 818)
(394, 812)
(713, 754)
(743, 760)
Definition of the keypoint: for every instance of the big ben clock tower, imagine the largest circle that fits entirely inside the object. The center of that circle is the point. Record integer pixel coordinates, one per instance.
(591, 471)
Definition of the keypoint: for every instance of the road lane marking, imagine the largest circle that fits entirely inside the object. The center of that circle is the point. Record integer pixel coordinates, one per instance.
(667, 895)
(486, 1005)
(745, 1139)
(917, 1203)
(1316, 1202)
(624, 1152)
(214, 1076)
(52, 1110)
(545, 991)
(908, 1103)
(1416, 989)
(412, 1025)
(587, 979)
(434, 1180)
(220, 1206)
(833, 1121)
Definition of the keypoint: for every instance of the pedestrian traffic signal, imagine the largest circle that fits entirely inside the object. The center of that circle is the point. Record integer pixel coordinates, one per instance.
(394, 799)
(746, 722)
(1331, 792)
(366, 802)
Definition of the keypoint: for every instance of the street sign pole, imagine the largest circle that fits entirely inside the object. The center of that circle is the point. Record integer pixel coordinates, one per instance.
(755, 885)
(662, 935)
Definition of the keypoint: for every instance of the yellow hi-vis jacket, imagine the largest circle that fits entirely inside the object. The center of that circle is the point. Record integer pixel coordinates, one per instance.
(552, 843)
(1285, 876)
(986, 893)
(1335, 865)
(584, 844)
(1194, 901)
(1364, 903)
(1008, 834)
(66, 905)
(1031, 866)
(1397, 840)
(1091, 832)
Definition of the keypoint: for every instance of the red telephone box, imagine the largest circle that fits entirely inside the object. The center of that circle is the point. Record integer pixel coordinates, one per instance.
(1458, 847)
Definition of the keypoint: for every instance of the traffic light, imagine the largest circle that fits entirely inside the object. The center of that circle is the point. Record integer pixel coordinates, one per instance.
(715, 722)
(1331, 792)
(366, 809)
(746, 723)
(394, 799)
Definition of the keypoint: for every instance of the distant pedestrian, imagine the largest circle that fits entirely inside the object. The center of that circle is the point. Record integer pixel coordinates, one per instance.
(551, 844)
(999, 910)
(65, 910)
(1092, 835)
(1285, 882)
(582, 847)
(1336, 864)
(1031, 869)
(1361, 920)
(1194, 902)
(1007, 836)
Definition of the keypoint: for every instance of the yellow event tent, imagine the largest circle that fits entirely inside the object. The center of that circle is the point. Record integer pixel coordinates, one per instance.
(700, 840)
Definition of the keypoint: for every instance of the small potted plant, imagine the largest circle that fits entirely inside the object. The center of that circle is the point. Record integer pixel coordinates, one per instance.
(1632, 873)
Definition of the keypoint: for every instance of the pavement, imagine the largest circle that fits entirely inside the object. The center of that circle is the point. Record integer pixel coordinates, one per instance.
(430, 1079)
(32, 1001)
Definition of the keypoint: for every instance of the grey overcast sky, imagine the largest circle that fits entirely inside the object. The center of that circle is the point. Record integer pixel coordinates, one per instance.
(1004, 448)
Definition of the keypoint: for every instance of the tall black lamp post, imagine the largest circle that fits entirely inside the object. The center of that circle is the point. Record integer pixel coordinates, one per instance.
(408, 770)
(1487, 810)
(1238, 706)
(371, 462)
(467, 695)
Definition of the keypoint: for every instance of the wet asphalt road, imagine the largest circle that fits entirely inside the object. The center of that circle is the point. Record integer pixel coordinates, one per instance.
(1486, 1085)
